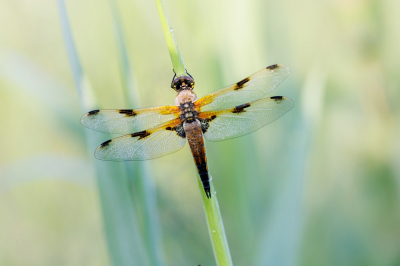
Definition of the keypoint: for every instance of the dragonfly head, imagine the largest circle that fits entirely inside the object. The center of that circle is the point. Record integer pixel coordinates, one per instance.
(182, 83)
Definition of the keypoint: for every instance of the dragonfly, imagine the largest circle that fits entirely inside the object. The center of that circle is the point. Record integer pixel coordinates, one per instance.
(231, 112)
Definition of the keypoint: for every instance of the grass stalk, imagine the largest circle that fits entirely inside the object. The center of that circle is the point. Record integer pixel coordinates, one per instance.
(176, 58)
(145, 192)
(210, 206)
(131, 95)
(124, 241)
(215, 226)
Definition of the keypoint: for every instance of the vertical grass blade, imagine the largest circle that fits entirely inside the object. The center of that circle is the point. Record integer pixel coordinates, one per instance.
(141, 175)
(215, 226)
(119, 216)
(211, 208)
(280, 245)
(131, 95)
(76, 68)
(176, 58)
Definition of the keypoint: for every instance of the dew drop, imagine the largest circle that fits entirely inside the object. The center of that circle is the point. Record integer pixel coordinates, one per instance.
(213, 231)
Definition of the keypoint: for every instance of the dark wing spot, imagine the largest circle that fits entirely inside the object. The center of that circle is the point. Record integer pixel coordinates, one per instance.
(276, 98)
(180, 131)
(141, 134)
(127, 112)
(205, 123)
(93, 112)
(240, 108)
(272, 67)
(105, 143)
(240, 84)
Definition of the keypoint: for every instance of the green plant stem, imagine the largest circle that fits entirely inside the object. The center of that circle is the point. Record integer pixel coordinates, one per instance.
(211, 209)
(176, 58)
(215, 226)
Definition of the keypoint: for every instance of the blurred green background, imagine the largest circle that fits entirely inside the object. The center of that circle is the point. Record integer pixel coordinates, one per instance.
(320, 186)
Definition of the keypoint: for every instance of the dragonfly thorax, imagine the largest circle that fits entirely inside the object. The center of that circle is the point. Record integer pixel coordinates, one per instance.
(188, 112)
(185, 96)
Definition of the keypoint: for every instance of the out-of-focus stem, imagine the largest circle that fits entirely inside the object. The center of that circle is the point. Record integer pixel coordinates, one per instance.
(215, 226)
(176, 58)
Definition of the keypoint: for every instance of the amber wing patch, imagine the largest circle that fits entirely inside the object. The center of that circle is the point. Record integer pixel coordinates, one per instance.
(126, 121)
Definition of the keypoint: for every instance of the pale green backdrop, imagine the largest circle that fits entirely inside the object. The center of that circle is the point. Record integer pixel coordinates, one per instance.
(319, 186)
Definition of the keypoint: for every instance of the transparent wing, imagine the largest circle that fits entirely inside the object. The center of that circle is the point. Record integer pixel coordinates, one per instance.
(249, 89)
(128, 120)
(144, 145)
(243, 119)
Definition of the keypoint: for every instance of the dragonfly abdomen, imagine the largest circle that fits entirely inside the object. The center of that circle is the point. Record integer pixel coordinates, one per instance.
(194, 136)
(201, 164)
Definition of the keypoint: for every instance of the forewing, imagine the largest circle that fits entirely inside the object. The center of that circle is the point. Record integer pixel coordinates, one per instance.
(128, 120)
(247, 90)
(243, 119)
(144, 145)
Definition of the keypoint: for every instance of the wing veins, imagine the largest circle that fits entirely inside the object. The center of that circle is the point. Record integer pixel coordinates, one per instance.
(162, 139)
(253, 116)
(123, 145)
(146, 140)
(250, 89)
(231, 116)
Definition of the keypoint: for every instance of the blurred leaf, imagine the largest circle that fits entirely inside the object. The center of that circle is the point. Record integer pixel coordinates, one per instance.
(176, 58)
(51, 166)
(121, 223)
(31, 79)
(141, 177)
(280, 243)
